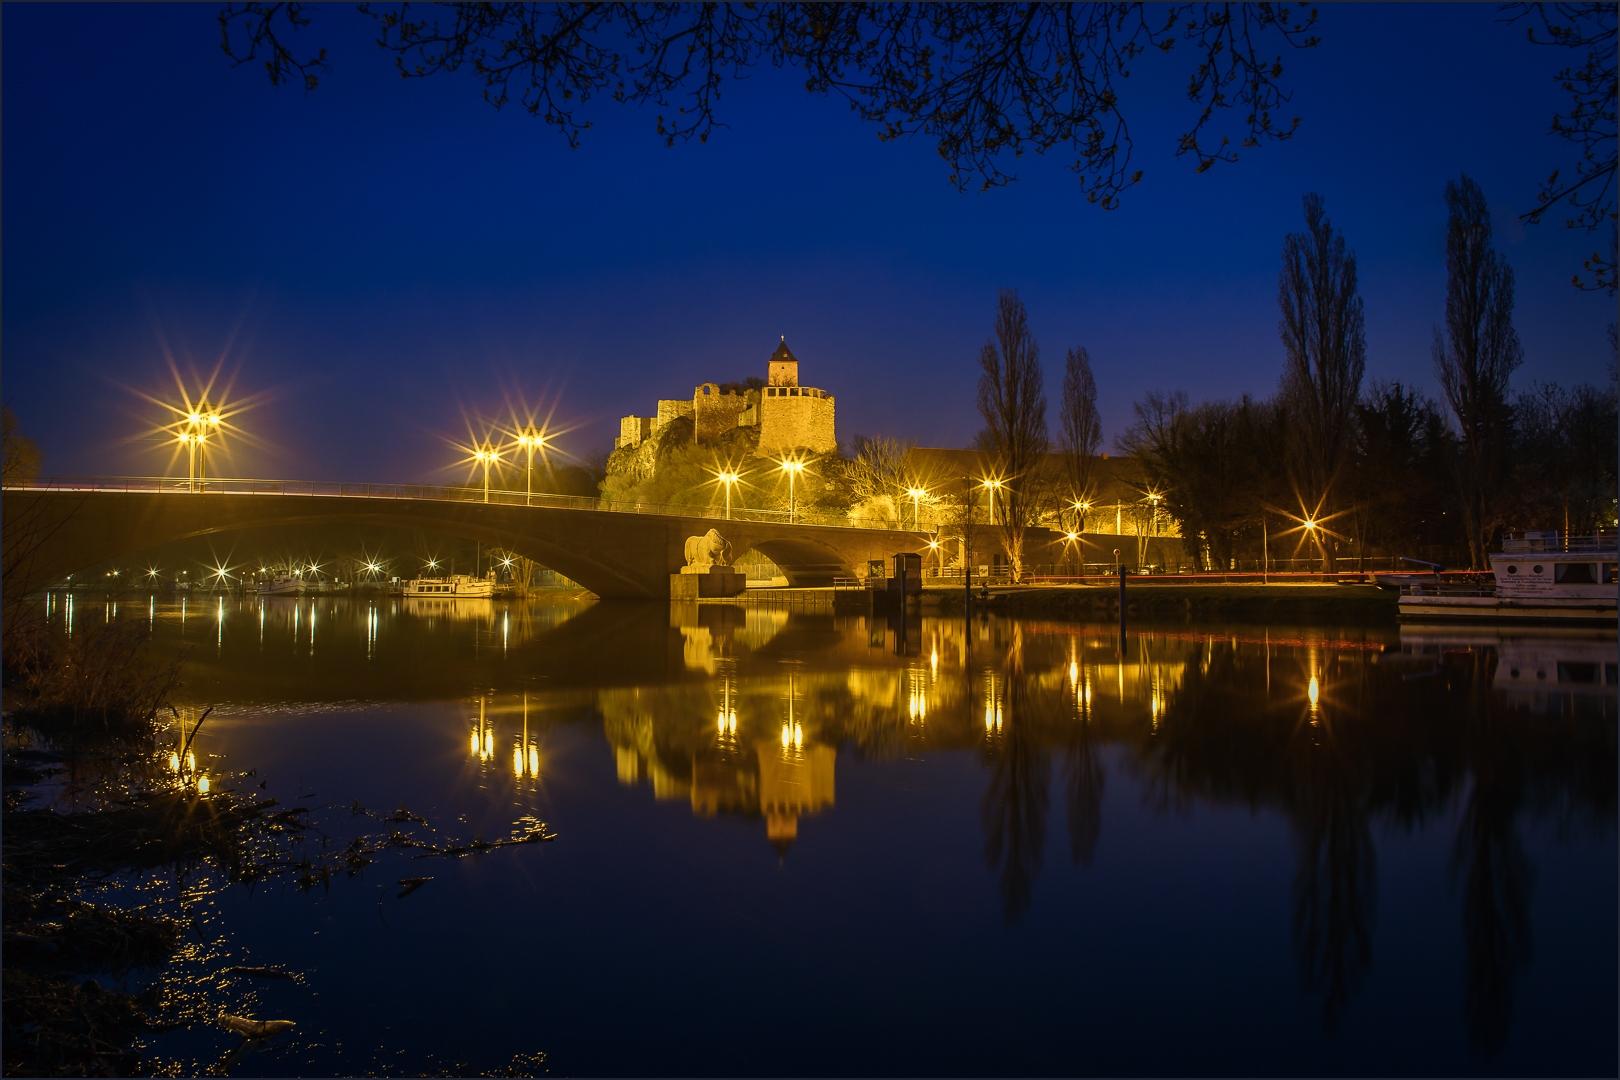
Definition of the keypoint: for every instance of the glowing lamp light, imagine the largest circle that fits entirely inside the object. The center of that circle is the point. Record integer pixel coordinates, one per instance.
(534, 761)
(202, 784)
(191, 762)
(1314, 691)
(174, 762)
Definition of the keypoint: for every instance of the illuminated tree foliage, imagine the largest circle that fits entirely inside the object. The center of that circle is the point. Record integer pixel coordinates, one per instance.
(981, 79)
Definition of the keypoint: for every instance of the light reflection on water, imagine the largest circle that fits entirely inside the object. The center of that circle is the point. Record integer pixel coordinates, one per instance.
(1397, 844)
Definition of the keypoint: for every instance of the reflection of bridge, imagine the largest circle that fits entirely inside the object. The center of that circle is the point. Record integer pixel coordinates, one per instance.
(64, 526)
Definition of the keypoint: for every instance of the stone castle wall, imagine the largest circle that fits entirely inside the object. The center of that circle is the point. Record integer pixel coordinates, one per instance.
(803, 421)
(672, 409)
(714, 413)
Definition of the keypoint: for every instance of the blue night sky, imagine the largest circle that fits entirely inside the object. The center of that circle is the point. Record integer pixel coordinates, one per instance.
(381, 259)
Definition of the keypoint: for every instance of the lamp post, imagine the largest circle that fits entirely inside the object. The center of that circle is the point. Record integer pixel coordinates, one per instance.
(189, 440)
(916, 495)
(531, 439)
(486, 455)
(728, 478)
(793, 469)
(1082, 507)
(992, 486)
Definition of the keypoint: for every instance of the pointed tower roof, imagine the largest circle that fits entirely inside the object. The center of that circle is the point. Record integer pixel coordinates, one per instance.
(783, 352)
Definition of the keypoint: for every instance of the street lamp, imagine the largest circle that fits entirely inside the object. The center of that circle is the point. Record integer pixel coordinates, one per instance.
(728, 477)
(793, 469)
(1083, 507)
(916, 494)
(486, 455)
(531, 439)
(992, 486)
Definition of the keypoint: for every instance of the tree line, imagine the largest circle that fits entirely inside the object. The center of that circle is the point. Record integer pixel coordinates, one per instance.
(1333, 464)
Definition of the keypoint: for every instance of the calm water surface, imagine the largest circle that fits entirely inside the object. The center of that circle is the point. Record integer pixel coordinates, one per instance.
(800, 843)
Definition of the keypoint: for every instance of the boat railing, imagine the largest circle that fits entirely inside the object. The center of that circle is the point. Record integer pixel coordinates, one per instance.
(1552, 542)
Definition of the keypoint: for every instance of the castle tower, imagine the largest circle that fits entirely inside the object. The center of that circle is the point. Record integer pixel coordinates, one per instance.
(791, 416)
(784, 367)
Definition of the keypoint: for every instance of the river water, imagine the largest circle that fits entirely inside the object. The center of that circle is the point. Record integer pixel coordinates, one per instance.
(799, 842)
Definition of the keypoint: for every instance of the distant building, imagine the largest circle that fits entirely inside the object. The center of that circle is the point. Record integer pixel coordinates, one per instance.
(789, 416)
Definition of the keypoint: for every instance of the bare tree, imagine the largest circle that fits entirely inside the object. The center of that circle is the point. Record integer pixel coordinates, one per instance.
(876, 479)
(1013, 404)
(1082, 428)
(19, 455)
(1591, 124)
(1475, 358)
(1326, 344)
(980, 78)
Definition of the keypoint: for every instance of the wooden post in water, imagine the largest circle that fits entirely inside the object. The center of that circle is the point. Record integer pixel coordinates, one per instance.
(1123, 648)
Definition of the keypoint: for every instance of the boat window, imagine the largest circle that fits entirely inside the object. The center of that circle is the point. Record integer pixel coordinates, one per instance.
(1513, 569)
(1575, 573)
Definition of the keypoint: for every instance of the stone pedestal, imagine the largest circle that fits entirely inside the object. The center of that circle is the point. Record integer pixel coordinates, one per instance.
(717, 581)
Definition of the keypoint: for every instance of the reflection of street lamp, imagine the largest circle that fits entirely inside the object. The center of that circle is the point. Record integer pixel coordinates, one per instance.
(531, 439)
(793, 469)
(727, 477)
(486, 455)
(916, 494)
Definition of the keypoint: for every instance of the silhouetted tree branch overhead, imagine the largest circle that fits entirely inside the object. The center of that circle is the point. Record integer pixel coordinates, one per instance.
(1475, 358)
(1590, 125)
(981, 79)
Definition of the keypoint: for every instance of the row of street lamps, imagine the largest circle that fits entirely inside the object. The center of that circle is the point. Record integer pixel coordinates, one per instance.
(528, 439)
(198, 424)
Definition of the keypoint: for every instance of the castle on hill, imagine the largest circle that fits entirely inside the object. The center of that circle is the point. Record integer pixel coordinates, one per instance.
(789, 416)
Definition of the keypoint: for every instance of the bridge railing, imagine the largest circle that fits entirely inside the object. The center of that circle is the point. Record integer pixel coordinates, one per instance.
(438, 493)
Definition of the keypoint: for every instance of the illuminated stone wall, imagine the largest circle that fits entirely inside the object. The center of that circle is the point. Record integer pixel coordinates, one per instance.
(671, 409)
(794, 418)
(632, 430)
(714, 413)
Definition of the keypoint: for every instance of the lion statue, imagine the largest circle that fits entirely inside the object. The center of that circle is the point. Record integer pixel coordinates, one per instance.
(706, 551)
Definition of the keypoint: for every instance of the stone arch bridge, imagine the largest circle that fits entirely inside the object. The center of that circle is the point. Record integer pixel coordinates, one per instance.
(56, 528)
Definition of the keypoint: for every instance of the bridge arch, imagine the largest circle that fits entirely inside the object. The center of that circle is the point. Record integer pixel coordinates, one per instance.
(613, 554)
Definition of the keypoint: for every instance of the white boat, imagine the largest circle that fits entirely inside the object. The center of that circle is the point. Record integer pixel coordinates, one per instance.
(1540, 577)
(456, 585)
(280, 585)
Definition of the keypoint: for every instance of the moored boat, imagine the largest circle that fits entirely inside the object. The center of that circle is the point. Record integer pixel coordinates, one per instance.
(280, 585)
(1539, 577)
(456, 585)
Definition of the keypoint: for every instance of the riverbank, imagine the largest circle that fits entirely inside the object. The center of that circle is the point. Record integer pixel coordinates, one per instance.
(1352, 604)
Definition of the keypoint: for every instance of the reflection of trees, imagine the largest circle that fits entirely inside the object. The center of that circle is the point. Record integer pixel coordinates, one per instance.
(1496, 874)
(1084, 779)
(1497, 880)
(1015, 802)
(1402, 750)
(1336, 881)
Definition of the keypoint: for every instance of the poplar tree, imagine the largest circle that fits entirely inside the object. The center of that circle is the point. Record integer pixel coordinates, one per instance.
(1082, 427)
(1474, 359)
(1326, 345)
(1013, 404)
